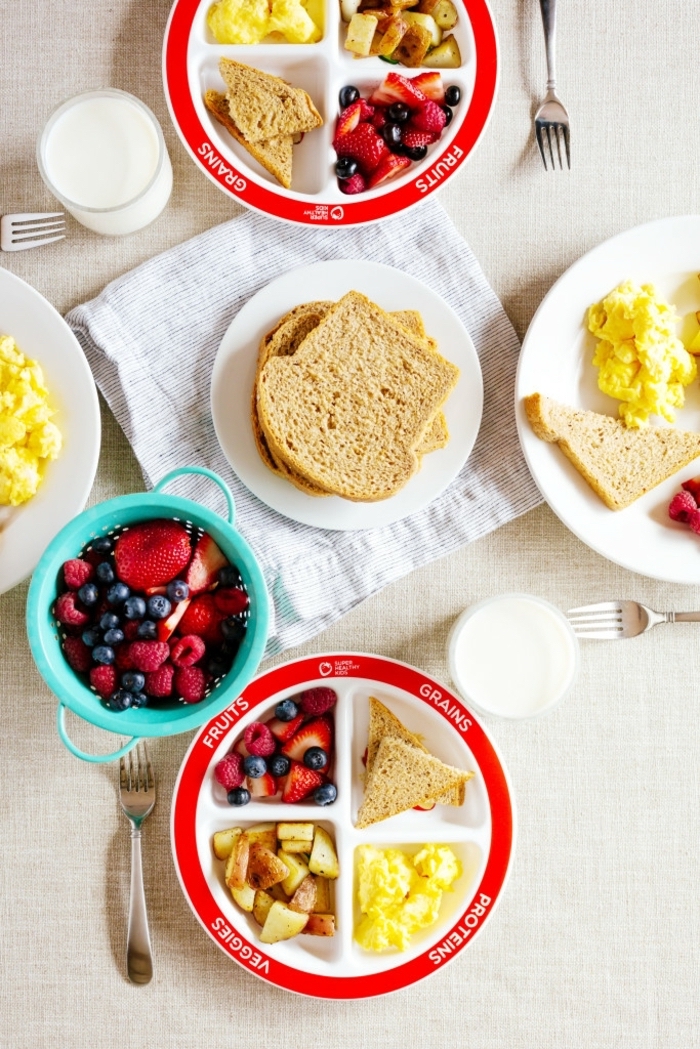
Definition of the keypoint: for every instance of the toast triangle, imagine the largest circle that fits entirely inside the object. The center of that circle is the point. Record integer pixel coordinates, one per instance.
(275, 154)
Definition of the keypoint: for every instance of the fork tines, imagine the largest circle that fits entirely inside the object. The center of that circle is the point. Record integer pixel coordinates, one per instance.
(31, 230)
(557, 132)
(136, 775)
(595, 621)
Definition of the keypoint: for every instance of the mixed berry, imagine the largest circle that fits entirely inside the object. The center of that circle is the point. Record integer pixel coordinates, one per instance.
(379, 137)
(290, 753)
(685, 505)
(151, 614)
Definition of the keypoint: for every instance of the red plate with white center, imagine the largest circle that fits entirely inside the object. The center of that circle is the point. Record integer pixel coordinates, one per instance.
(481, 832)
(190, 67)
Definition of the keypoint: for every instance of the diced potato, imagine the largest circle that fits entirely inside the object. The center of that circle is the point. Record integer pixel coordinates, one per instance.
(261, 906)
(323, 859)
(304, 899)
(428, 22)
(278, 893)
(414, 45)
(265, 833)
(223, 842)
(320, 925)
(443, 11)
(360, 34)
(282, 923)
(349, 8)
(323, 895)
(391, 38)
(244, 897)
(297, 871)
(446, 56)
(295, 831)
(264, 867)
(297, 846)
(400, 5)
(237, 863)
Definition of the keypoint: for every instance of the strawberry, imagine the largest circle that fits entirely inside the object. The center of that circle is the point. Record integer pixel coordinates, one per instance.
(364, 145)
(240, 748)
(316, 733)
(262, 787)
(430, 117)
(431, 85)
(203, 618)
(412, 138)
(300, 782)
(231, 600)
(165, 627)
(77, 572)
(692, 486)
(207, 559)
(151, 553)
(379, 119)
(389, 168)
(397, 88)
(354, 184)
(284, 730)
(348, 120)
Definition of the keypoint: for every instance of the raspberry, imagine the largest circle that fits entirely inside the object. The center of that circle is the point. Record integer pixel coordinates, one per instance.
(148, 655)
(229, 771)
(317, 700)
(187, 650)
(231, 600)
(354, 184)
(104, 680)
(430, 117)
(682, 506)
(159, 683)
(259, 740)
(77, 653)
(122, 657)
(66, 610)
(76, 573)
(694, 521)
(191, 683)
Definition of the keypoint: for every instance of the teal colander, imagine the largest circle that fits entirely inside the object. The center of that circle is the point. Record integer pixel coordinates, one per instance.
(171, 717)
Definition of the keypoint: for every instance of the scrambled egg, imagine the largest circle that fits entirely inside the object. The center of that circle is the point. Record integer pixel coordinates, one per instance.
(400, 894)
(250, 21)
(642, 361)
(27, 437)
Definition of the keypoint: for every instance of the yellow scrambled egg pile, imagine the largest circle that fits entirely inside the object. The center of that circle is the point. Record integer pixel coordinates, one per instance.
(642, 361)
(250, 21)
(27, 437)
(400, 894)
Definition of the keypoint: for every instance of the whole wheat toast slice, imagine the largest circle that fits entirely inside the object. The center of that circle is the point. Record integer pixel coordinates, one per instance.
(402, 777)
(263, 106)
(383, 724)
(619, 464)
(275, 154)
(348, 410)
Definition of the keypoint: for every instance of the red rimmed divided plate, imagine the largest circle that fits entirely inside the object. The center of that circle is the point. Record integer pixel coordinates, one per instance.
(190, 67)
(481, 832)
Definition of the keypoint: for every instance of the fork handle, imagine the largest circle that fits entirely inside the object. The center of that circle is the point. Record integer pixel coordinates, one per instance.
(139, 962)
(684, 617)
(549, 22)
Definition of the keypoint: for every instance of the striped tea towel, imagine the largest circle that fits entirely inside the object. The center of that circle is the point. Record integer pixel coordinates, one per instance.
(151, 338)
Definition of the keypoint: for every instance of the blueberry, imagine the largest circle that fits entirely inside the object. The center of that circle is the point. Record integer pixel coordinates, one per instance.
(89, 594)
(229, 576)
(147, 631)
(233, 629)
(453, 95)
(414, 152)
(115, 636)
(103, 654)
(117, 594)
(139, 699)
(315, 758)
(120, 700)
(91, 637)
(109, 621)
(347, 96)
(103, 545)
(287, 710)
(325, 794)
(105, 572)
(229, 649)
(391, 133)
(177, 591)
(448, 115)
(238, 796)
(254, 766)
(279, 765)
(133, 680)
(158, 606)
(217, 666)
(345, 167)
(134, 607)
(398, 113)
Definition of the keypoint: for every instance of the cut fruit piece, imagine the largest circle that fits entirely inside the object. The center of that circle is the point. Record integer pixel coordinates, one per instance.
(223, 842)
(207, 559)
(295, 832)
(265, 868)
(298, 870)
(389, 168)
(261, 906)
(264, 786)
(244, 897)
(166, 627)
(397, 88)
(284, 730)
(324, 859)
(282, 923)
(320, 925)
(237, 863)
(316, 733)
(432, 86)
(304, 899)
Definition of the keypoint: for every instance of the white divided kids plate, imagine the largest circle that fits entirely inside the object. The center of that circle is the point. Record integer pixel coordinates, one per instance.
(233, 378)
(481, 832)
(42, 334)
(190, 67)
(556, 360)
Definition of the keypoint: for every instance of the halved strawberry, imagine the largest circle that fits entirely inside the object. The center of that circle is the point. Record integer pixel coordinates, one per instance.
(284, 730)
(431, 85)
(390, 167)
(151, 591)
(151, 553)
(241, 748)
(397, 88)
(204, 567)
(231, 600)
(166, 627)
(264, 786)
(348, 120)
(316, 733)
(202, 618)
(412, 138)
(692, 486)
(300, 782)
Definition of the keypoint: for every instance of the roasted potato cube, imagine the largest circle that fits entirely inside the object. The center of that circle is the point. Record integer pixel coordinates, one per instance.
(223, 842)
(278, 893)
(297, 871)
(360, 34)
(265, 833)
(414, 46)
(428, 22)
(297, 846)
(392, 36)
(244, 897)
(264, 867)
(295, 832)
(320, 925)
(237, 863)
(261, 905)
(443, 11)
(401, 5)
(348, 8)
(304, 899)
(446, 56)
(323, 895)
(323, 859)
(282, 923)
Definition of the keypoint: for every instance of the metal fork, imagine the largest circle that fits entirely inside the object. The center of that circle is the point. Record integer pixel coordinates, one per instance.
(551, 119)
(616, 620)
(137, 793)
(31, 230)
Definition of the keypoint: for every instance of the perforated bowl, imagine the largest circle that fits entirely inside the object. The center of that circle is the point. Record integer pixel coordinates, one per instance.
(72, 691)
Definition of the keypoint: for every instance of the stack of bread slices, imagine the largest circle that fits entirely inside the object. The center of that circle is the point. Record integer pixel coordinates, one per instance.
(264, 114)
(347, 398)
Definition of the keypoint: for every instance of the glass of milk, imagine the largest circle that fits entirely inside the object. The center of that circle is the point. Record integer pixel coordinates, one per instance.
(102, 154)
(514, 655)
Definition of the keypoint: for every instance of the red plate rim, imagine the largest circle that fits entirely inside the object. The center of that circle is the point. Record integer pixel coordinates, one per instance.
(251, 955)
(354, 211)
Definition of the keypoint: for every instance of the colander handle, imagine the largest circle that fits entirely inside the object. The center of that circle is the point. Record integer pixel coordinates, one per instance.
(95, 758)
(205, 473)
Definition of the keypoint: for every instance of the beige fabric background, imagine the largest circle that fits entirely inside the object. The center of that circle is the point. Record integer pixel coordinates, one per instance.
(595, 943)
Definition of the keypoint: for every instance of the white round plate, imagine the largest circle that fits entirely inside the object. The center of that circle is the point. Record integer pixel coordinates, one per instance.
(41, 333)
(233, 377)
(556, 360)
(481, 831)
